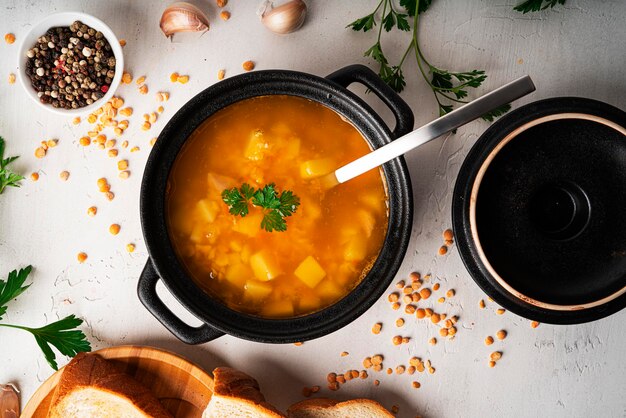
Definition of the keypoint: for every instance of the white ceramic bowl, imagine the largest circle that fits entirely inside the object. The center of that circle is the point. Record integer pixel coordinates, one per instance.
(66, 19)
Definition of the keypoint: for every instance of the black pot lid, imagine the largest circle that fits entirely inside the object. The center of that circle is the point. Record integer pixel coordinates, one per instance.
(540, 208)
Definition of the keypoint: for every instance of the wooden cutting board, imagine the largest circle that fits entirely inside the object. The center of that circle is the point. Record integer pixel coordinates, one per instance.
(182, 387)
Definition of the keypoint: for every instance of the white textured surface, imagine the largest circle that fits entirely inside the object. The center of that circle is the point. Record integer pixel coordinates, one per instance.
(549, 371)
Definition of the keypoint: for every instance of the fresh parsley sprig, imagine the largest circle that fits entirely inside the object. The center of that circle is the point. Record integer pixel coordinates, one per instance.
(448, 87)
(536, 5)
(7, 178)
(60, 334)
(276, 207)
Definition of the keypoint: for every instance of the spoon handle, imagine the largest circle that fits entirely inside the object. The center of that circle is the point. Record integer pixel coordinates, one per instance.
(459, 117)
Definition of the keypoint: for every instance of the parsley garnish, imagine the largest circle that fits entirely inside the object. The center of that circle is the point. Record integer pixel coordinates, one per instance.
(536, 5)
(60, 334)
(448, 87)
(7, 178)
(276, 207)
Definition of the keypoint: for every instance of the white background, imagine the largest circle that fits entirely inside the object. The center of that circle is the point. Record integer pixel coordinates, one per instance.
(576, 50)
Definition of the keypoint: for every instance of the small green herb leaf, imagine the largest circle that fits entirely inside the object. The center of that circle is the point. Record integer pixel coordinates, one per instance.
(289, 203)
(7, 178)
(401, 22)
(13, 287)
(536, 5)
(61, 335)
(394, 78)
(389, 21)
(411, 5)
(496, 113)
(364, 23)
(376, 52)
(266, 197)
(237, 199)
(273, 221)
(275, 207)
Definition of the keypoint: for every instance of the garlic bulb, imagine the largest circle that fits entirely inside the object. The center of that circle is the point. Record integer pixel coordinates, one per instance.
(183, 17)
(285, 18)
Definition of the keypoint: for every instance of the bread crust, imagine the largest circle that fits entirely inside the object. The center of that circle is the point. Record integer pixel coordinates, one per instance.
(91, 370)
(326, 403)
(232, 383)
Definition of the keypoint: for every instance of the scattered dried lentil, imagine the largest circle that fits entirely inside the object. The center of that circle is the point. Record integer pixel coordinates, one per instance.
(248, 66)
(114, 229)
(81, 257)
(501, 335)
(9, 38)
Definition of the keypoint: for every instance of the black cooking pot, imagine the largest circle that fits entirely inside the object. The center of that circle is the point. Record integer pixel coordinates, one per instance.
(163, 263)
(539, 210)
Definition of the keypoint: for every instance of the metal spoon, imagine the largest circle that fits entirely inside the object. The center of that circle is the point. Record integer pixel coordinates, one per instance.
(459, 117)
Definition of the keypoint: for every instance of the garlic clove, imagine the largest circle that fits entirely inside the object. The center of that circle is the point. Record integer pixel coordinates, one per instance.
(285, 18)
(183, 17)
(9, 401)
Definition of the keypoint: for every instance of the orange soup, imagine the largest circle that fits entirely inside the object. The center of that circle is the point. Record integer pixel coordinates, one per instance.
(330, 241)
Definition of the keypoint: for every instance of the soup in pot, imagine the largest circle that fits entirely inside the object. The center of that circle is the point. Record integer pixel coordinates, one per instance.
(249, 216)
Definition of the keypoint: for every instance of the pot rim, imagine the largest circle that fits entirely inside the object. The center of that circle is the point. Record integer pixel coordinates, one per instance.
(209, 310)
(464, 220)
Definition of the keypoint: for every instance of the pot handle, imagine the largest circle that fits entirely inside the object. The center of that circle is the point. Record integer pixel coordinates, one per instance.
(358, 73)
(146, 290)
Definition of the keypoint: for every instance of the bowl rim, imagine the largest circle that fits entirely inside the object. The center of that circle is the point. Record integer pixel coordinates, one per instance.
(210, 310)
(462, 200)
(70, 17)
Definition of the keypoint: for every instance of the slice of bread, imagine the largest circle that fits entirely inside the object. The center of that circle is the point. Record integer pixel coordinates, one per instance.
(330, 408)
(92, 387)
(237, 395)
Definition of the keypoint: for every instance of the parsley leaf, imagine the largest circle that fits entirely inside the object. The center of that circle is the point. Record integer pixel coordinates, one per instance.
(376, 52)
(536, 5)
(237, 199)
(275, 207)
(266, 197)
(7, 178)
(61, 335)
(13, 287)
(411, 5)
(365, 23)
(273, 221)
(289, 203)
(496, 113)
